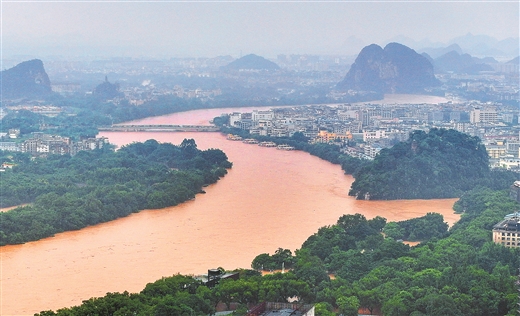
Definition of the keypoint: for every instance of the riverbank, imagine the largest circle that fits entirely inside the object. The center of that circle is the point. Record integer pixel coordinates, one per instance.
(246, 213)
(269, 199)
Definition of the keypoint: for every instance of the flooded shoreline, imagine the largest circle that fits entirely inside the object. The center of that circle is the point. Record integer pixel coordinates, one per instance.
(269, 199)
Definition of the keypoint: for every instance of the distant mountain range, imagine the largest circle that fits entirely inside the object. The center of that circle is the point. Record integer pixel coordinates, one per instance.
(25, 80)
(394, 69)
(251, 62)
(514, 61)
(483, 45)
(400, 69)
(462, 63)
(475, 45)
(439, 51)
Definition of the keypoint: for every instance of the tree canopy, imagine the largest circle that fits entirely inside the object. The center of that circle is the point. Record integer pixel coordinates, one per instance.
(439, 164)
(68, 193)
(459, 272)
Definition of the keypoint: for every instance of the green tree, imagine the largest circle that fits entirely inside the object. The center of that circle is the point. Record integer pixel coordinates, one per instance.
(348, 306)
(393, 230)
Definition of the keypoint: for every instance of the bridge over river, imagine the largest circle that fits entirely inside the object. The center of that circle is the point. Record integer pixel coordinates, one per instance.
(160, 128)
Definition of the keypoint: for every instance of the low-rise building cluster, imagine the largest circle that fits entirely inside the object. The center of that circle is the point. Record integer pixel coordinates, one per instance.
(375, 126)
(41, 145)
(364, 129)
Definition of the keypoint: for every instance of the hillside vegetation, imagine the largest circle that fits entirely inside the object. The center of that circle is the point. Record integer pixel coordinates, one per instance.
(439, 164)
(455, 272)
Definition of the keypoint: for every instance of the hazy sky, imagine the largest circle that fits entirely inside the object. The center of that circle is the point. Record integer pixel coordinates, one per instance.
(212, 28)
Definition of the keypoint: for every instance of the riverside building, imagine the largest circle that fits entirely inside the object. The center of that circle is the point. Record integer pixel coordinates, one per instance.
(507, 231)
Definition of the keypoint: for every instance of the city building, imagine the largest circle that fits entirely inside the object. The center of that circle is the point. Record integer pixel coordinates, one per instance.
(495, 150)
(326, 137)
(387, 124)
(369, 136)
(507, 231)
(215, 275)
(509, 162)
(234, 118)
(483, 116)
(281, 309)
(514, 191)
(371, 150)
(257, 115)
(43, 144)
(9, 146)
(14, 133)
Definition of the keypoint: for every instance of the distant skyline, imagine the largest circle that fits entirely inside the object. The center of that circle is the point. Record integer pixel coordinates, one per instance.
(266, 28)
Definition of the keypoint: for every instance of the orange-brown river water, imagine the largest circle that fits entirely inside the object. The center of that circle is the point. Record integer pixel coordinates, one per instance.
(269, 199)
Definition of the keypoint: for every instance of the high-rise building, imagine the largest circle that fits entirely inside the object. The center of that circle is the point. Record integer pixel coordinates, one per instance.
(483, 116)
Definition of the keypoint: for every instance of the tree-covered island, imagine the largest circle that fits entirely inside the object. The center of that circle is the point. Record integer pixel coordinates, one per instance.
(71, 192)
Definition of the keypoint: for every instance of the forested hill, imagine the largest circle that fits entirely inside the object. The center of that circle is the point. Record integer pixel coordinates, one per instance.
(68, 193)
(439, 164)
(25, 80)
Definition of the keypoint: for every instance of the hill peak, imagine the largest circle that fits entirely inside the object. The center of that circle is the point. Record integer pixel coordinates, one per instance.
(25, 80)
(251, 62)
(394, 69)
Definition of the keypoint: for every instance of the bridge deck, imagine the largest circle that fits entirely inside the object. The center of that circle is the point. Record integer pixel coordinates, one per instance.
(160, 128)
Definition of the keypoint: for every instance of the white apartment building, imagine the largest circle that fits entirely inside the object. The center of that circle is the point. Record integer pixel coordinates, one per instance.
(9, 146)
(371, 151)
(509, 162)
(262, 115)
(369, 136)
(483, 116)
(234, 118)
(345, 115)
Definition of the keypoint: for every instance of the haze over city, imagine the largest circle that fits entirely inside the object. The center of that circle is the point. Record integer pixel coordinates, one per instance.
(263, 157)
(212, 28)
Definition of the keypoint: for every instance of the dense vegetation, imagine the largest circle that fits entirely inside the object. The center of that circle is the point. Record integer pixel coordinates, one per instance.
(69, 193)
(417, 229)
(81, 116)
(282, 258)
(438, 164)
(459, 273)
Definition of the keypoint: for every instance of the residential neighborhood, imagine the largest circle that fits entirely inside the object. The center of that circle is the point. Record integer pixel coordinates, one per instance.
(363, 129)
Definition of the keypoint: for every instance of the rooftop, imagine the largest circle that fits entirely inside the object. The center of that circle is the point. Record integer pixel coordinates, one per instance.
(283, 312)
(510, 222)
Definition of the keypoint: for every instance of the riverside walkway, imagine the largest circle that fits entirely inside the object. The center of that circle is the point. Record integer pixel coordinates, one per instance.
(160, 128)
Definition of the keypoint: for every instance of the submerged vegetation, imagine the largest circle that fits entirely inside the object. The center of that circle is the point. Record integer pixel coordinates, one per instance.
(68, 193)
(452, 272)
